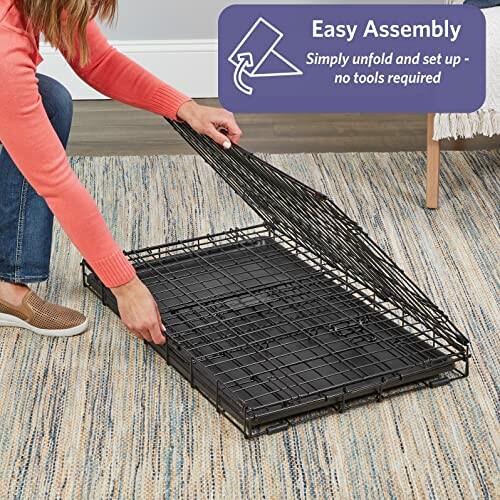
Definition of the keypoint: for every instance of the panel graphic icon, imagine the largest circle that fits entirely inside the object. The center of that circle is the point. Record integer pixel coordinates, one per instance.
(256, 56)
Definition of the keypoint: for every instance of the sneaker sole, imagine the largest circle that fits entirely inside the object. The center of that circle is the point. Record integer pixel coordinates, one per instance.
(8, 320)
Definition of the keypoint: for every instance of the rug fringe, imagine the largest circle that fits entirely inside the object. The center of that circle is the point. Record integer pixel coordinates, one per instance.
(467, 125)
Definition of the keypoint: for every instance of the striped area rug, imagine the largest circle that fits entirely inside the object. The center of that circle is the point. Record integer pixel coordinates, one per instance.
(102, 416)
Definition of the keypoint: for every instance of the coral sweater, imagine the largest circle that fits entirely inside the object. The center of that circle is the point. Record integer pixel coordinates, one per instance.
(28, 136)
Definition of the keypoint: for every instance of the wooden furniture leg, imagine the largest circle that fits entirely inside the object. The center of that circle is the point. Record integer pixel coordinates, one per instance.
(433, 159)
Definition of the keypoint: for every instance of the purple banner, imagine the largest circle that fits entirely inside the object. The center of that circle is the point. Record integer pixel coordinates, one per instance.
(352, 59)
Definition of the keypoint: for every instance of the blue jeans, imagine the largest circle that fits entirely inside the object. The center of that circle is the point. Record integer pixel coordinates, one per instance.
(25, 219)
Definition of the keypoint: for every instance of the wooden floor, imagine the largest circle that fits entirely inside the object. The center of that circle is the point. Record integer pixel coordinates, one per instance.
(110, 128)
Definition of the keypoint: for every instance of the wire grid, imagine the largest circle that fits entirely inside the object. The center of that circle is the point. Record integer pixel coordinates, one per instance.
(292, 315)
(270, 322)
(312, 218)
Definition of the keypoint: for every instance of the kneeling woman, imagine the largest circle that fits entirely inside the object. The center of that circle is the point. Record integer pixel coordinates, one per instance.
(36, 181)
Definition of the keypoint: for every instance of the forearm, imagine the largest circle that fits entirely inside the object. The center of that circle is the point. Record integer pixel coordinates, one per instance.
(27, 133)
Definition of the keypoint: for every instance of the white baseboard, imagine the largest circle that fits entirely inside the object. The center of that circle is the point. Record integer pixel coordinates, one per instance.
(188, 65)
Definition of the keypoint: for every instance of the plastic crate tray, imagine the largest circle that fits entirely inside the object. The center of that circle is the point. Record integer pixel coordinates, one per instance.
(264, 331)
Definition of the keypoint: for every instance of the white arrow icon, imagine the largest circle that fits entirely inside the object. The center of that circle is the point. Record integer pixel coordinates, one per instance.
(256, 49)
(245, 61)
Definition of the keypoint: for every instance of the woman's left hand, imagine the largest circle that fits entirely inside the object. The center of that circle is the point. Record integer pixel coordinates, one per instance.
(218, 124)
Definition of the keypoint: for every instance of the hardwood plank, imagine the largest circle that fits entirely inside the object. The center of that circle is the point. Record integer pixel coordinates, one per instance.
(110, 128)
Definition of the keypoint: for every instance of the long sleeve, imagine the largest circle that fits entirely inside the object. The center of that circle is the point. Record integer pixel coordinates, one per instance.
(116, 76)
(27, 133)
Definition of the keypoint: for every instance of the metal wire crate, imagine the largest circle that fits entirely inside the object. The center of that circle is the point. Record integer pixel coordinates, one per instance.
(278, 321)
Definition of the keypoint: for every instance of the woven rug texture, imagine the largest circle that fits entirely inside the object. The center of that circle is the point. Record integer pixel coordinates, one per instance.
(103, 416)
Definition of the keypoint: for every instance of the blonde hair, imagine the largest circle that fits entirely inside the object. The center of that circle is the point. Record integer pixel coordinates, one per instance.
(47, 18)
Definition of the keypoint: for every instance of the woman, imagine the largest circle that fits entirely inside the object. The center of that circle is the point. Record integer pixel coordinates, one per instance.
(36, 181)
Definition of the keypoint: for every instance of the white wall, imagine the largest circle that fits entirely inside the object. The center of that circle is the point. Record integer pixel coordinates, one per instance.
(176, 40)
(188, 19)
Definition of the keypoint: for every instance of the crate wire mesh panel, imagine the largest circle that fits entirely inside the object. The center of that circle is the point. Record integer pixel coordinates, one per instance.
(276, 322)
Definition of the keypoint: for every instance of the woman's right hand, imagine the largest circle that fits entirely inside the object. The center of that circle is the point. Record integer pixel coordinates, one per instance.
(139, 311)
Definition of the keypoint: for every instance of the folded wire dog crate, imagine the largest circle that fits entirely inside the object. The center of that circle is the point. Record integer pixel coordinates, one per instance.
(279, 322)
